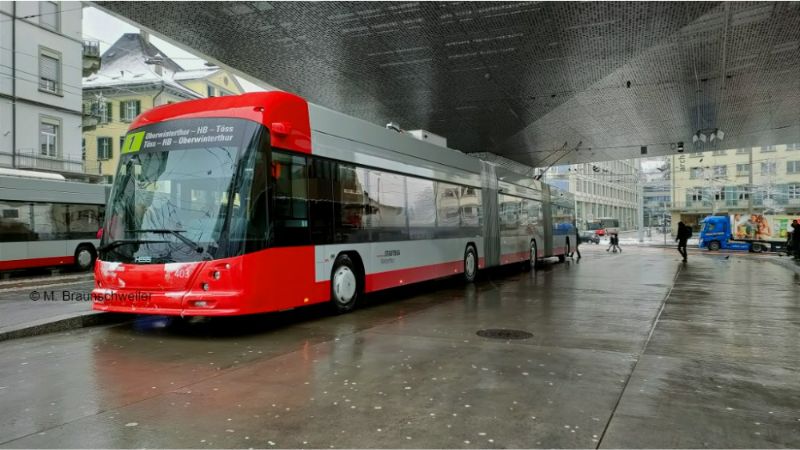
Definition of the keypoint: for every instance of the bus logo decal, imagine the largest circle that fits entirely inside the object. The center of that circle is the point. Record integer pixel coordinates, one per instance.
(133, 142)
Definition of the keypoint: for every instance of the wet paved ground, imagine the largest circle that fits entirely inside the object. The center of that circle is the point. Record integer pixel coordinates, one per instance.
(628, 350)
(25, 302)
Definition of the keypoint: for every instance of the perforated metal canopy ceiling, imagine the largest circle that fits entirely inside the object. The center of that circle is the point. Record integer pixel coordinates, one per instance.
(598, 80)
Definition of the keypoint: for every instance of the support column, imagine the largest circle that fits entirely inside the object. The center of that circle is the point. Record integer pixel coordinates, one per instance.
(640, 200)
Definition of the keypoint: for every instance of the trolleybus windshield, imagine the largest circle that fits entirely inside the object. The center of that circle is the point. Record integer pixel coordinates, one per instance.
(187, 190)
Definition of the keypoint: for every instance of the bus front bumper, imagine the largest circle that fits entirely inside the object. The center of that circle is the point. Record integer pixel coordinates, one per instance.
(176, 303)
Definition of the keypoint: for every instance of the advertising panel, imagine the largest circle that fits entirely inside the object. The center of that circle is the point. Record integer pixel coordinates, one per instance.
(761, 226)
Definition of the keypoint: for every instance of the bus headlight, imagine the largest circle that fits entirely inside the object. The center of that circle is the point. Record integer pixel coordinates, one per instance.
(216, 275)
(204, 286)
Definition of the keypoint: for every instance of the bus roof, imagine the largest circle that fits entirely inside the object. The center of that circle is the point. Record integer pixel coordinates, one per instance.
(295, 117)
(31, 174)
(266, 108)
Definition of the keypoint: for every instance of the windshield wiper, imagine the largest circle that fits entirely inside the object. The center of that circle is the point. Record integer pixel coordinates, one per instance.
(177, 233)
(118, 242)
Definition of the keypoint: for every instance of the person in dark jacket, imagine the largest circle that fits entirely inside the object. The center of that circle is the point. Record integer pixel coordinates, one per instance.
(614, 240)
(796, 239)
(577, 243)
(684, 233)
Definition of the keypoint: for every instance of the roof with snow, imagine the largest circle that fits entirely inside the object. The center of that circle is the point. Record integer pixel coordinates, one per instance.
(133, 61)
(131, 51)
(196, 74)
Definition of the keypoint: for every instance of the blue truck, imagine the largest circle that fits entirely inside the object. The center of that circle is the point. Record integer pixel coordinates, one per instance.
(755, 233)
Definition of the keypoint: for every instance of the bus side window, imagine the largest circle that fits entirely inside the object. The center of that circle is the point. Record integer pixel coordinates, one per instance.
(290, 200)
(320, 200)
(349, 196)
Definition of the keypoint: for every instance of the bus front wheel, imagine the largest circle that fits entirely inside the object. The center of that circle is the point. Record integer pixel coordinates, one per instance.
(345, 285)
(713, 246)
(85, 256)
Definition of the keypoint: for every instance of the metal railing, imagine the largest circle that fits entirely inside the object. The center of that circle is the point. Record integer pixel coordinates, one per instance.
(91, 49)
(29, 159)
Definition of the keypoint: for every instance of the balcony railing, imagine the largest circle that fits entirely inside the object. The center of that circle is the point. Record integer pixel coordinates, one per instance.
(91, 49)
(91, 57)
(28, 159)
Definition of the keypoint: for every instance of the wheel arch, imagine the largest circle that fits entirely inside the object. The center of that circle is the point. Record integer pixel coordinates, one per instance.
(85, 244)
(359, 263)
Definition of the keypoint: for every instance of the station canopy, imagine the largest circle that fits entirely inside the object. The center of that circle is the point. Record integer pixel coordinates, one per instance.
(533, 82)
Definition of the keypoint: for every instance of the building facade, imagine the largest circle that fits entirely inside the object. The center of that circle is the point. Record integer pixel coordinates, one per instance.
(135, 76)
(657, 192)
(602, 189)
(40, 87)
(744, 180)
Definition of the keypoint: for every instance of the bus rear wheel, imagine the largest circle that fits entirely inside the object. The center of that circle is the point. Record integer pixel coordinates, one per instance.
(533, 258)
(345, 285)
(470, 264)
(85, 256)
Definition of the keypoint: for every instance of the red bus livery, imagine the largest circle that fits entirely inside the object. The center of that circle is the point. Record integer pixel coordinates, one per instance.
(264, 202)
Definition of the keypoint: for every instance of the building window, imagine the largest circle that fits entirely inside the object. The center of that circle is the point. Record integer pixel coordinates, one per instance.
(768, 149)
(697, 195)
(792, 147)
(769, 168)
(210, 90)
(792, 166)
(48, 137)
(720, 171)
(742, 170)
(129, 109)
(719, 195)
(49, 71)
(695, 173)
(743, 193)
(742, 151)
(794, 191)
(83, 149)
(719, 152)
(104, 112)
(104, 148)
(49, 16)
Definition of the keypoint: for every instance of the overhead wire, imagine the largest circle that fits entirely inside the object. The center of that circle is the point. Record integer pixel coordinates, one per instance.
(31, 16)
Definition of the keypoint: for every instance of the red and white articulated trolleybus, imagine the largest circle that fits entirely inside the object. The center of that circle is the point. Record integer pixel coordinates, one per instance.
(264, 202)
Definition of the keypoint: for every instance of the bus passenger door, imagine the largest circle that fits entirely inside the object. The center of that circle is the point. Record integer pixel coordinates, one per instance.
(547, 213)
(491, 215)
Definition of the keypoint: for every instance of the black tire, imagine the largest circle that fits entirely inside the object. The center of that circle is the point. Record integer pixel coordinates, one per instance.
(713, 246)
(85, 256)
(757, 248)
(533, 261)
(563, 257)
(346, 284)
(470, 264)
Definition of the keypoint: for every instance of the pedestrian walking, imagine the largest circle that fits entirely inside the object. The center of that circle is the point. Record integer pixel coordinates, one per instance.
(577, 243)
(614, 246)
(684, 233)
(796, 239)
